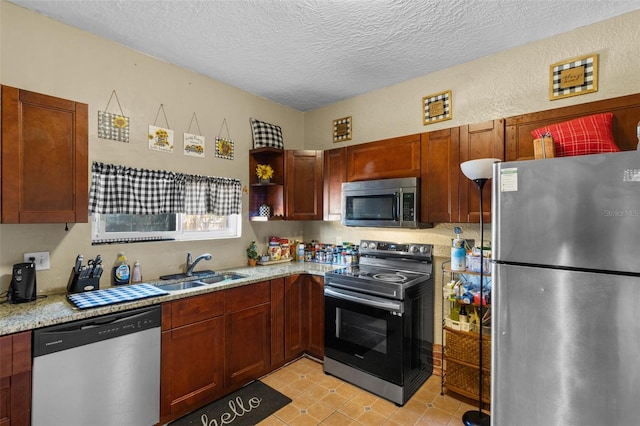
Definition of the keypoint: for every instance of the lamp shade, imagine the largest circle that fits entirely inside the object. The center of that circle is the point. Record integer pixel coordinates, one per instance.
(481, 168)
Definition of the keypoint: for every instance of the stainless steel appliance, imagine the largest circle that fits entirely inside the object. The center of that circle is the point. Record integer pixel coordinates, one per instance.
(566, 337)
(99, 371)
(393, 203)
(23, 283)
(379, 319)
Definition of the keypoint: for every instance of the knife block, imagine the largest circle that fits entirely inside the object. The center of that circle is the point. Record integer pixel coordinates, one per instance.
(79, 285)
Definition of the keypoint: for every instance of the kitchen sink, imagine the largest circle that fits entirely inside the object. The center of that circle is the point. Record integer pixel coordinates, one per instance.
(180, 286)
(195, 274)
(219, 277)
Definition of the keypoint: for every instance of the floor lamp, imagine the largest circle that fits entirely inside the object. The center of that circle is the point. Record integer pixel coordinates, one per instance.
(479, 171)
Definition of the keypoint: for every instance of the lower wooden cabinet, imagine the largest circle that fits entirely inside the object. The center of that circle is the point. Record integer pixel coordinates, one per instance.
(316, 316)
(192, 354)
(215, 343)
(15, 379)
(247, 334)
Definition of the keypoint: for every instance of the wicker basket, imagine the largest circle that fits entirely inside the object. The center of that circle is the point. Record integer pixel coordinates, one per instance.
(464, 347)
(460, 377)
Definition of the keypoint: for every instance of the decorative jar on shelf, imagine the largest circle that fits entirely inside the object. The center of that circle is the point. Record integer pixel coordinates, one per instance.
(264, 210)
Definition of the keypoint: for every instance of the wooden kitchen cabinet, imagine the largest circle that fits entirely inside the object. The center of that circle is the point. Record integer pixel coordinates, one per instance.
(440, 174)
(247, 334)
(296, 325)
(316, 316)
(277, 323)
(192, 354)
(44, 158)
(304, 184)
(334, 174)
(390, 158)
(15, 379)
(272, 193)
(483, 140)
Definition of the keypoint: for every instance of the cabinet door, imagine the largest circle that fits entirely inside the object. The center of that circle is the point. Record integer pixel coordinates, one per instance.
(440, 174)
(44, 158)
(303, 182)
(247, 345)
(192, 367)
(15, 379)
(295, 322)
(389, 158)
(277, 322)
(484, 140)
(335, 173)
(316, 316)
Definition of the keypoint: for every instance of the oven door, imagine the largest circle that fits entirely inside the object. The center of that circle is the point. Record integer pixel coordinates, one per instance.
(364, 332)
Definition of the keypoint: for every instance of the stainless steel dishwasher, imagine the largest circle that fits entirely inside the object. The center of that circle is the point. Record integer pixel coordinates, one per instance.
(99, 371)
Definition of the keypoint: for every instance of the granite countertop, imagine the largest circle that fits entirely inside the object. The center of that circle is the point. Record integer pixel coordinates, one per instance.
(56, 309)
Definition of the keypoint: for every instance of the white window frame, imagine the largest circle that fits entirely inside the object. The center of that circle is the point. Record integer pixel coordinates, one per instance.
(99, 233)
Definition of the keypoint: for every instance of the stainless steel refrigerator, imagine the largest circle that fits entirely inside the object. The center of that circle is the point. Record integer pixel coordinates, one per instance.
(566, 291)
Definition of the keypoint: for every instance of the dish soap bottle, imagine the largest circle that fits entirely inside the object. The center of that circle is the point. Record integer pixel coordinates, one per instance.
(458, 251)
(121, 270)
(136, 274)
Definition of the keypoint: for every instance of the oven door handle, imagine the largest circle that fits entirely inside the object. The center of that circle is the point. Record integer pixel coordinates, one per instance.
(392, 306)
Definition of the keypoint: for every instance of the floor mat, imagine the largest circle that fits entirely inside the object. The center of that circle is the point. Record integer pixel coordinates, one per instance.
(247, 406)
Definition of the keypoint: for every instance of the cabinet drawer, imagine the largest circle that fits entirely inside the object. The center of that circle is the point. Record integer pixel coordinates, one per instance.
(194, 309)
(247, 296)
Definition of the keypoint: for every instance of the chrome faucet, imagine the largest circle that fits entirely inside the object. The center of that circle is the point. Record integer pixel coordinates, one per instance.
(190, 265)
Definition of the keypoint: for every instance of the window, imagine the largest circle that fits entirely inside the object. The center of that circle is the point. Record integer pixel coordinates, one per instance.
(108, 228)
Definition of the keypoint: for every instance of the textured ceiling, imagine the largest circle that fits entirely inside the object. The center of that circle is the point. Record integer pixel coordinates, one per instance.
(310, 53)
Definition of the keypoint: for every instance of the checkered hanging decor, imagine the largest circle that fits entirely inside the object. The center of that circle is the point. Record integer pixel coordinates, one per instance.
(119, 189)
(266, 135)
(113, 126)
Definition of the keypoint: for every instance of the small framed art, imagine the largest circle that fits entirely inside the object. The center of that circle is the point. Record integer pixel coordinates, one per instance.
(437, 107)
(573, 77)
(342, 129)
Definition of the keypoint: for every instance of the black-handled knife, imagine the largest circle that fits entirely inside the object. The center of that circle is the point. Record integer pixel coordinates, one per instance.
(79, 263)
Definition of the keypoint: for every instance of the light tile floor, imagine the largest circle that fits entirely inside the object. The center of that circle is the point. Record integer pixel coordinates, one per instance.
(323, 399)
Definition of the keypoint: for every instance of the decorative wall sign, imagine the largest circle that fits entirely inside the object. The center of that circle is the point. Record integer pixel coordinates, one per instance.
(113, 126)
(574, 77)
(342, 129)
(224, 146)
(437, 107)
(160, 139)
(193, 145)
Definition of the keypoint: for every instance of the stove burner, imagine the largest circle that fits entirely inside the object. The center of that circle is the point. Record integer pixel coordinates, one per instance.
(394, 278)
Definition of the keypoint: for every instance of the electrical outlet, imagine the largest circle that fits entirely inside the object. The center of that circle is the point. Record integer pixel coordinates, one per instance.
(40, 258)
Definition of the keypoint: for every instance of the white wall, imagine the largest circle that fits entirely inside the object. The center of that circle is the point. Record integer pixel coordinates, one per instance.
(43, 55)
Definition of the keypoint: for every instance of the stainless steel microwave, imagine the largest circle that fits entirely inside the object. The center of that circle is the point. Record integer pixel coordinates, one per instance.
(389, 203)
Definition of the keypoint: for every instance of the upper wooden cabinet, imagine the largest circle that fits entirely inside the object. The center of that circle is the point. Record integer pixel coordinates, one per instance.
(303, 182)
(385, 159)
(335, 173)
(483, 140)
(272, 193)
(440, 176)
(44, 158)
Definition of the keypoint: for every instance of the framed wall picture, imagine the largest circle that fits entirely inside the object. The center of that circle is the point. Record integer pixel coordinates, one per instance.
(437, 107)
(342, 129)
(573, 77)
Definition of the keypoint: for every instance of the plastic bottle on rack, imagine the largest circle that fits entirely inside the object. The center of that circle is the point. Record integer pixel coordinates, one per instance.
(120, 274)
(458, 252)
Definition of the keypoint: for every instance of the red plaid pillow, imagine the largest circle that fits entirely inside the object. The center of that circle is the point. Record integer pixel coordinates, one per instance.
(585, 135)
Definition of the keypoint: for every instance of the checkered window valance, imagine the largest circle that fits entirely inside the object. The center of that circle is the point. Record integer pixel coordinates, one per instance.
(125, 190)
